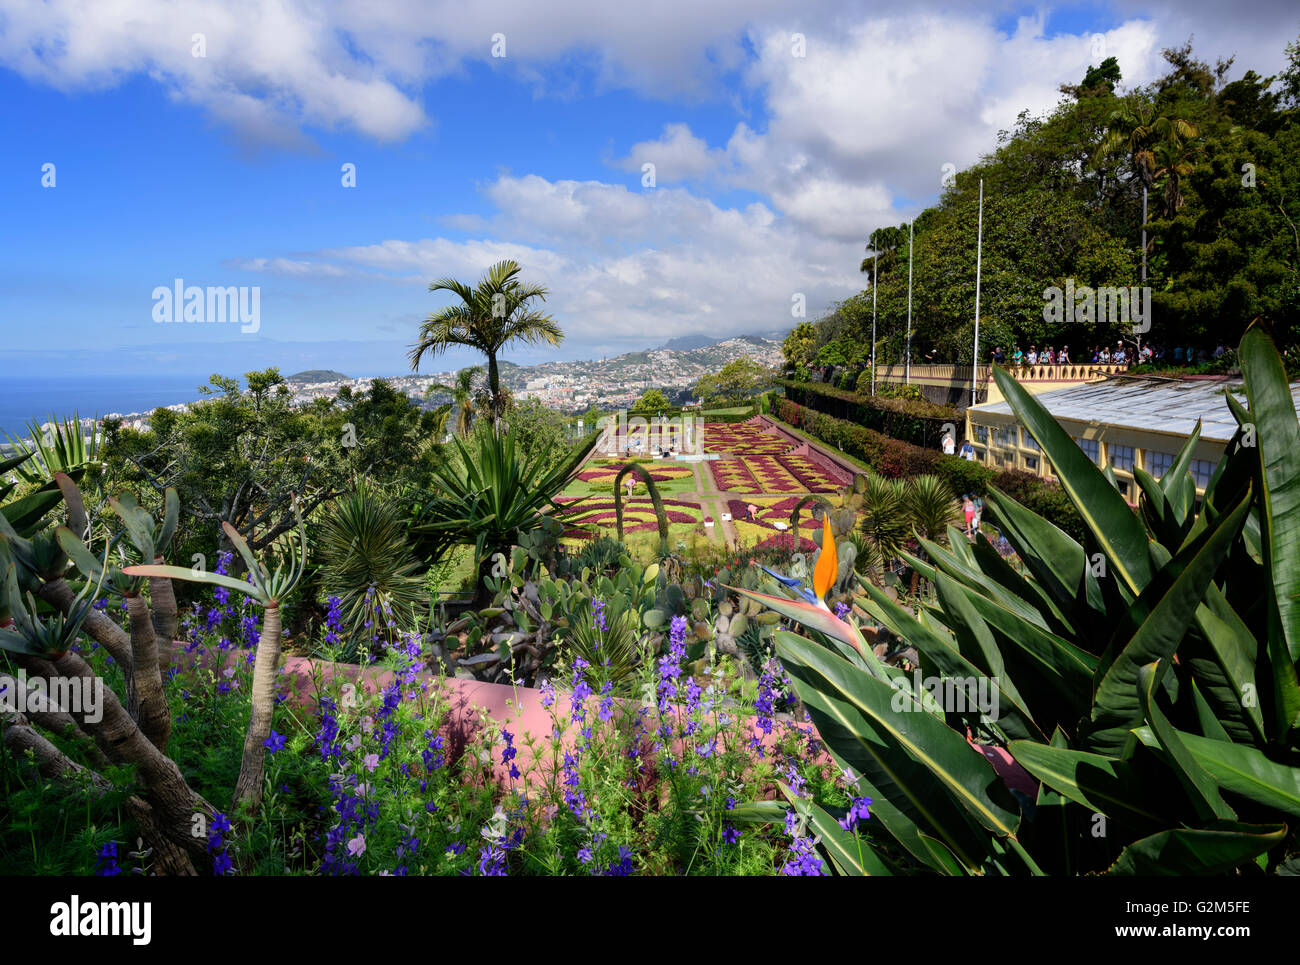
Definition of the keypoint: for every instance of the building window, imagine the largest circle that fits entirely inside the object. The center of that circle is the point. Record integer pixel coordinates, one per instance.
(1028, 441)
(1157, 463)
(1123, 487)
(1120, 457)
(1202, 470)
(1031, 463)
(1091, 448)
(982, 435)
(1004, 438)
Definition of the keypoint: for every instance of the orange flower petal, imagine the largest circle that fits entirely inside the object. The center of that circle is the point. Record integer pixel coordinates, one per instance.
(828, 561)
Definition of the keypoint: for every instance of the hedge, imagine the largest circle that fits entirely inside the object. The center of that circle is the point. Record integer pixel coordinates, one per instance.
(895, 459)
(916, 421)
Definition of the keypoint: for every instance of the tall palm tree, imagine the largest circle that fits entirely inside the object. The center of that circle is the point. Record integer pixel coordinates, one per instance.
(462, 400)
(884, 243)
(1157, 147)
(489, 317)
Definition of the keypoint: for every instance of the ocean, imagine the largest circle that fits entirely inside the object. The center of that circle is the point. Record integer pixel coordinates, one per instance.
(24, 398)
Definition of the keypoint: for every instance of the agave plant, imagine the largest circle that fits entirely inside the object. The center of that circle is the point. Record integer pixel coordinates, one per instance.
(1143, 711)
(488, 495)
(60, 449)
(269, 590)
(366, 562)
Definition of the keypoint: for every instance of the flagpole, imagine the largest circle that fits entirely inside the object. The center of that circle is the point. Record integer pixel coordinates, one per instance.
(874, 262)
(908, 360)
(979, 251)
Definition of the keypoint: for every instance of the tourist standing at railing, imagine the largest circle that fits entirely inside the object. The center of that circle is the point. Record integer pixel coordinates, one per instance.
(1064, 357)
(1018, 357)
(1032, 357)
(999, 356)
(1104, 359)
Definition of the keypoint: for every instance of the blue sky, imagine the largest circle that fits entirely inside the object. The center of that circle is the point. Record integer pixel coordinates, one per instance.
(771, 168)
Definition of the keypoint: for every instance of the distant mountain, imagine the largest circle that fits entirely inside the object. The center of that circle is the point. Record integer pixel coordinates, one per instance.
(318, 375)
(685, 343)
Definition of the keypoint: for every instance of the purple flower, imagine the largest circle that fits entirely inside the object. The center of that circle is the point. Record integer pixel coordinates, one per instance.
(598, 614)
(803, 859)
(275, 742)
(107, 866)
(842, 610)
(509, 754)
(857, 811)
(357, 846)
(584, 855)
(729, 834)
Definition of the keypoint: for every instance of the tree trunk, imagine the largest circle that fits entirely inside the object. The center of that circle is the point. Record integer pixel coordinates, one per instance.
(494, 390)
(162, 600)
(150, 703)
(248, 789)
(173, 802)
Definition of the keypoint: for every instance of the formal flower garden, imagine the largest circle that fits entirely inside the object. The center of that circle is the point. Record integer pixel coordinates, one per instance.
(867, 693)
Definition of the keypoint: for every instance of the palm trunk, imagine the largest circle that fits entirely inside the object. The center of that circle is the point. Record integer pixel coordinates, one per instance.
(494, 390)
(248, 789)
(149, 703)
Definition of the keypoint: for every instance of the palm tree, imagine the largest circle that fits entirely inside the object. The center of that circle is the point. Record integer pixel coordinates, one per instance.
(489, 317)
(884, 524)
(462, 400)
(1157, 147)
(884, 243)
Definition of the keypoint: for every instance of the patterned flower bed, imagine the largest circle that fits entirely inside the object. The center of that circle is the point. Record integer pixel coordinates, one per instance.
(813, 476)
(731, 475)
(607, 474)
(772, 476)
(638, 514)
(771, 512)
(741, 438)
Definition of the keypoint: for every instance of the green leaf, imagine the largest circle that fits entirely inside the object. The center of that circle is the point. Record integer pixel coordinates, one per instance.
(1112, 524)
(1243, 770)
(964, 773)
(191, 576)
(1200, 787)
(1161, 615)
(1278, 438)
(1118, 789)
(1186, 851)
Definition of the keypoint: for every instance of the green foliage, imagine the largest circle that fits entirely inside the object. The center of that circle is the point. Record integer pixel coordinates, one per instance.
(1145, 678)
(488, 494)
(489, 317)
(365, 561)
(57, 447)
(652, 400)
(738, 381)
(910, 419)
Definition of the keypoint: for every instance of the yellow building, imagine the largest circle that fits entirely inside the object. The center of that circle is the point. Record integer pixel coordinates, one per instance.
(1123, 422)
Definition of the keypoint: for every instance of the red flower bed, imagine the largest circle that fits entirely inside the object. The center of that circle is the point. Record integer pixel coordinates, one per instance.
(638, 513)
(658, 474)
(769, 515)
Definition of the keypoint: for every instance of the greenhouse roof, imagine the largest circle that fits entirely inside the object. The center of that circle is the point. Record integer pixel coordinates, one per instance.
(1154, 405)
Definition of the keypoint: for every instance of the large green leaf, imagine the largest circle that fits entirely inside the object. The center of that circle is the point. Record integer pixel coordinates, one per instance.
(966, 776)
(1200, 787)
(907, 800)
(1161, 616)
(1185, 851)
(194, 576)
(1118, 532)
(1222, 658)
(1056, 561)
(1118, 789)
(1277, 435)
(1242, 770)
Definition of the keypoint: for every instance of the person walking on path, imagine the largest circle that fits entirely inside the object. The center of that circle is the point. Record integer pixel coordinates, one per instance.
(978, 501)
(949, 446)
(968, 509)
(967, 451)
